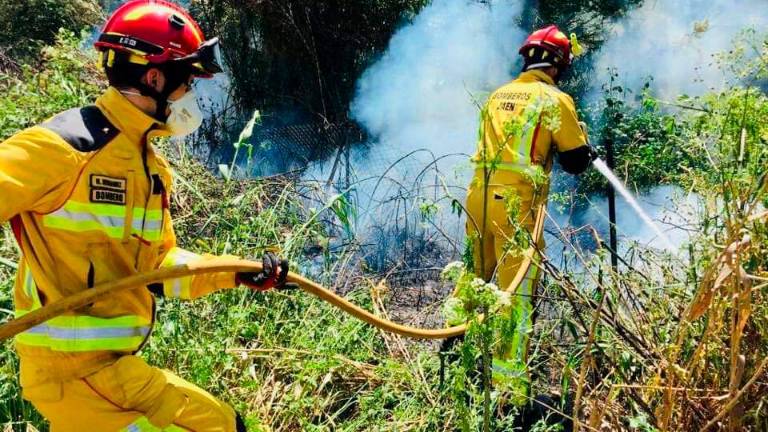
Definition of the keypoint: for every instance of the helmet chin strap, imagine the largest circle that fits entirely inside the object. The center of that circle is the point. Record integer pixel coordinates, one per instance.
(160, 98)
(173, 80)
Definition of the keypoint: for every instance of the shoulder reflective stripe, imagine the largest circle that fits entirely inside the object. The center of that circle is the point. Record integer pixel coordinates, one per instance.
(142, 424)
(86, 333)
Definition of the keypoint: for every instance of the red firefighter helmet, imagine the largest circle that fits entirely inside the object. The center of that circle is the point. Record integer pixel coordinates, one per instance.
(551, 40)
(158, 32)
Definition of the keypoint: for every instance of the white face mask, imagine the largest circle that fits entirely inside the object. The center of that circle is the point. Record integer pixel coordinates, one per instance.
(185, 116)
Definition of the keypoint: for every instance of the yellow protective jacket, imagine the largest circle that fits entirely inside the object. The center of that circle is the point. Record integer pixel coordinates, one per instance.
(87, 197)
(521, 124)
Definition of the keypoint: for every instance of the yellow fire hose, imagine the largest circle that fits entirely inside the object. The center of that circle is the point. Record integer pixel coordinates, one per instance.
(84, 298)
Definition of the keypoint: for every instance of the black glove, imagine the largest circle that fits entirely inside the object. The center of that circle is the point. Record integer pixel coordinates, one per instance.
(274, 274)
(593, 155)
(577, 161)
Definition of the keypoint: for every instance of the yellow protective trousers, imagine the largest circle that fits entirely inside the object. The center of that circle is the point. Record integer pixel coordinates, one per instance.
(490, 230)
(126, 396)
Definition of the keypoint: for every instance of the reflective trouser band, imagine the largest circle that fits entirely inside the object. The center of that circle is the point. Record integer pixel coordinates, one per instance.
(86, 333)
(107, 218)
(180, 287)
(509, 167)
(509, 370)
(524, 307)
(511, 365)
(511, 377)
(142, 424)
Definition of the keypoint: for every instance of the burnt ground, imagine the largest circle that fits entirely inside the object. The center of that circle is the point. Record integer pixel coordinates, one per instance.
(419, 306)
(414, 298)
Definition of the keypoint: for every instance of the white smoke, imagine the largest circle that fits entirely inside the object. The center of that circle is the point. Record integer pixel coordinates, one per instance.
(423, 92)
(213, 93)
(674, 41)
(672, 208)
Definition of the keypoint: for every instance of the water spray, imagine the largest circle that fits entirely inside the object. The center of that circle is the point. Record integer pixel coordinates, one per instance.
(602, 167)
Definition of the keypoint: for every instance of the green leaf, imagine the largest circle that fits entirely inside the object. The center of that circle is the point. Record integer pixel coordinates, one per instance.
(225, 172)
(247, 132)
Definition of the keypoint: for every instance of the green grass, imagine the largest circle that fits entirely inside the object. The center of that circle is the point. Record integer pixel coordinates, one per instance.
(290, 362)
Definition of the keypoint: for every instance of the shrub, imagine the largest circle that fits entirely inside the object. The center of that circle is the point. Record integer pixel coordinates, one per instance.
(29, 25)
(68, 78)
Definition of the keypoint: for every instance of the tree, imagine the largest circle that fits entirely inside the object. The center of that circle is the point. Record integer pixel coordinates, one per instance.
(300, 58)
(589, 19)
(26, 26)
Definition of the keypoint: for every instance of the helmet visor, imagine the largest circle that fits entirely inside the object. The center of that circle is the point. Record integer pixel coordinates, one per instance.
(207, 58)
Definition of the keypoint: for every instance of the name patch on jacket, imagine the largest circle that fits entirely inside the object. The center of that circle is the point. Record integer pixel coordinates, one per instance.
(109, 190)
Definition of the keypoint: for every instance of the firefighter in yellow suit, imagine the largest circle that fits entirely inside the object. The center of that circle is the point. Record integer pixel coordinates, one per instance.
(88, 200)
(523, 124)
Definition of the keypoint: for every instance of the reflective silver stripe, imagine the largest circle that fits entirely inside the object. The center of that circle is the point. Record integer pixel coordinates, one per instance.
(532, 117)
(524, 302)
(142, 424)
(75, 216)
(177, 288)
(110, 221)
(87, 333)
(147, 224)
(181, 256)
(524, 149)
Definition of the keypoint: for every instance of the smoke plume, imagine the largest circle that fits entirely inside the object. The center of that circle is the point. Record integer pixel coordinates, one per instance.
(423, 92)
(674, 41)
(420, 93)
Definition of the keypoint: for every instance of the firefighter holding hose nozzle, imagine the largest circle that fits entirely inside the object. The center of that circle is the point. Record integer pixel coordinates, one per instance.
(523, 125)
(88, 200)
